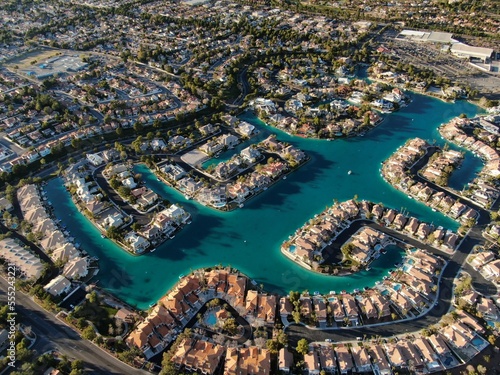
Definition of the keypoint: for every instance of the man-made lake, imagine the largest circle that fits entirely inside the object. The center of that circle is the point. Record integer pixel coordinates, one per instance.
(249, 238)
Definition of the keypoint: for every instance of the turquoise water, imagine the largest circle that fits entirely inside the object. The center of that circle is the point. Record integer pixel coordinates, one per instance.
(477, 342)
(469, 168)
(211, 319)
(249, 238)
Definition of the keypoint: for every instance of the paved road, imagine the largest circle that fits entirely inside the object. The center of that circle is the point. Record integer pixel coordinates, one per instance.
(55, 335)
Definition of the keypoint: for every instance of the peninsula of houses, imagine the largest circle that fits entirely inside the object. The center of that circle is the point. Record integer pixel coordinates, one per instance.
(343, 229)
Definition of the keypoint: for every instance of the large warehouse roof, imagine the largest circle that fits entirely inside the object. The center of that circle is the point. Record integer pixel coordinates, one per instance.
(423, 36)
(465, 50)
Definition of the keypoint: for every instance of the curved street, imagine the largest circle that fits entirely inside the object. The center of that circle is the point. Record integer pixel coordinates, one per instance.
(53, 334)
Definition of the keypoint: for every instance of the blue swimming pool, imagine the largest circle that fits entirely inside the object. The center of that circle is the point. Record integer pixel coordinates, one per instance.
(396, 287)
(292, 249)
(477, 342)
(410, 261)
(211, 319)
(448, 360)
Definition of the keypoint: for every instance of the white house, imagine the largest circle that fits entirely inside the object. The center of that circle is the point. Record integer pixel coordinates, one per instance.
(137, 243)
(58, 286)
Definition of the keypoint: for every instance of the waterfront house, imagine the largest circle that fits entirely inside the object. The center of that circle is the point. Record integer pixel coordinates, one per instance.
(175, 304)
(389, 216)
(344, 359)
(401, 302)
(36, 214)
(306, 307)
(457, 209)
(399, 221)
(337, 310)
(53, 241)
(189, 186)
(236, 288)
(450, 240)
(286, 307)
(250, 154)
(320, 310)
(150, 232)
(251, 302)
(245, 129)
(311, 363)
(274, 169)
(423, 230)
(412, 226)
(367, 307)
(438, 234)
(65, 252)
(76, 268)
(214, 196)
(164, 223)
(176, 213)
(414, 297)
(382, 305)
(95, 207)
(129, 182)
(173, 171)
(114, 219)
(57, 286)
(350, 307)
(229, 140)
(137, 243)
(257, 181)
(267, 308)
(419, 274)
(377, 211)
(45, 227)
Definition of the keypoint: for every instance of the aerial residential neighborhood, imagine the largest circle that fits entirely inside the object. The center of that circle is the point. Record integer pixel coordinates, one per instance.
(231, 187)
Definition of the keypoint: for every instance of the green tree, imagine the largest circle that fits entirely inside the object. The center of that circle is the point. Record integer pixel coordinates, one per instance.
(272, 346)
(89, 333)
(302, 346)
(138, 127)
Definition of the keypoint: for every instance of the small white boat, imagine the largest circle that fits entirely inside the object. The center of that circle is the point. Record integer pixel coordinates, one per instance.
(103, 236)
(350, 172)
(153, 250)
(284, 177)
